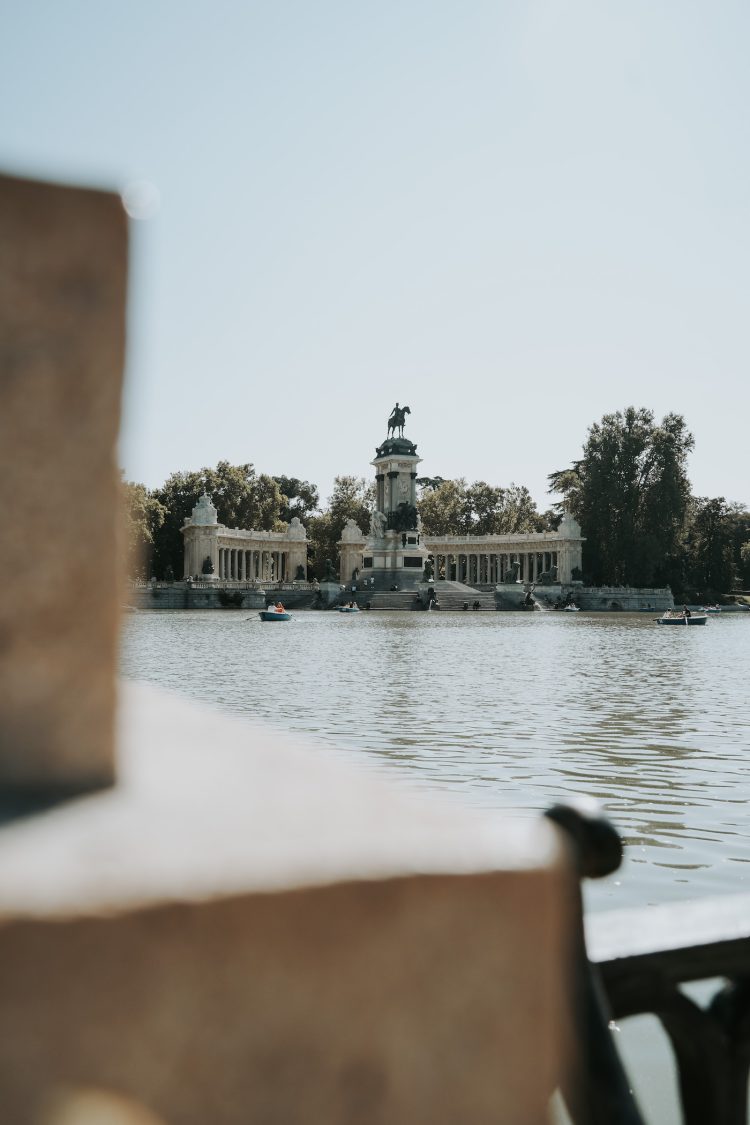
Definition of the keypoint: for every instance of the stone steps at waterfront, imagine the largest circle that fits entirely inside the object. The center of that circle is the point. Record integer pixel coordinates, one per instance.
(452, 596)
(390, 599)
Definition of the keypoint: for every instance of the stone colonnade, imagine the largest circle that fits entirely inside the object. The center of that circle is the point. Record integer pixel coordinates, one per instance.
(236, 564)
(490, 567)
(242, 556)
(487, 559)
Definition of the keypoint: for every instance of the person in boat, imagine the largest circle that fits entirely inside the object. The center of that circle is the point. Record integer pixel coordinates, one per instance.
(686, 612)
(279, 608)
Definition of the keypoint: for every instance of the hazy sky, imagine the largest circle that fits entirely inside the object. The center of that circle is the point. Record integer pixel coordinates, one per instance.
(512, 216)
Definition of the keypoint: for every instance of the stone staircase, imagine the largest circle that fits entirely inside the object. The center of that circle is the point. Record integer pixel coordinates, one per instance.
(388, 599)
(451, 597)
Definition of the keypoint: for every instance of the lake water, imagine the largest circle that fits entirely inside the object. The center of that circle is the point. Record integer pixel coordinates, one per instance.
(512, 711)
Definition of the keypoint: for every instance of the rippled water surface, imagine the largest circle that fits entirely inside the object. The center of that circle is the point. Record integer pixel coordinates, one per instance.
(513, 711)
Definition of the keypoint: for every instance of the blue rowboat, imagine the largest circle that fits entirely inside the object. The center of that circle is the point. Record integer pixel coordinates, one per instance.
(680, 619)
(273, 615)
(347, 608)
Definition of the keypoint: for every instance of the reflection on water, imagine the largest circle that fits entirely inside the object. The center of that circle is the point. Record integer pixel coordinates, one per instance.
(512, 711)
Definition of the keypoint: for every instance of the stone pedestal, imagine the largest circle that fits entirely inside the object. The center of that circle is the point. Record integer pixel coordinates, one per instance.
(394, 562)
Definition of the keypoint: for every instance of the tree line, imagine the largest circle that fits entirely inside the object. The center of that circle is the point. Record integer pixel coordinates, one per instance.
(643, 526)
(629, 491)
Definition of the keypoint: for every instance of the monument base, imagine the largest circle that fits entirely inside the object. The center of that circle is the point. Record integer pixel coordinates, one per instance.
(396, 560)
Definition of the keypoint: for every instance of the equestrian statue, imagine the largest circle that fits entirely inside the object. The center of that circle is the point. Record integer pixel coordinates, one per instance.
(396, 420)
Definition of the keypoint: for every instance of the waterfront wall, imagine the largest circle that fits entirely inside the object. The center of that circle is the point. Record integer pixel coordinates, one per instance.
(613, 599)
(605, 599)
(232, 595)
(182, 595)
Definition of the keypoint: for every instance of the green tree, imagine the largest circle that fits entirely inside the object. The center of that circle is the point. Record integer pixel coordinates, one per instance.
(455, 508)
(482, 507)
(300, 498)
(630, 493)
(741, 520)
(242, 499)
(352, 498)
(711, 563)
(144, 516)
(745, 565)
(444, 509)
(517, 512)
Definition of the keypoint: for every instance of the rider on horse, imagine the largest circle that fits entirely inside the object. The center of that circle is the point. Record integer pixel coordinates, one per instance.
(396, 420)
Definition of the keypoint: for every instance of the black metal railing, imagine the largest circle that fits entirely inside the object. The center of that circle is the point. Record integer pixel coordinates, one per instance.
(633, 962)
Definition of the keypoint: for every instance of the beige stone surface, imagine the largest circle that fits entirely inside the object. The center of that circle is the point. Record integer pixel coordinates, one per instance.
(249, 929)
(62, 332)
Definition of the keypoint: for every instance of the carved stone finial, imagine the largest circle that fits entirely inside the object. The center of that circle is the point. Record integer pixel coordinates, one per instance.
(204, 512)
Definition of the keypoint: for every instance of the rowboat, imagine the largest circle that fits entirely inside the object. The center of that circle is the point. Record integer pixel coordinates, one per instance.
(680, 619)
(711, 609)
(572, 608)
(274, 615)
(347, 608)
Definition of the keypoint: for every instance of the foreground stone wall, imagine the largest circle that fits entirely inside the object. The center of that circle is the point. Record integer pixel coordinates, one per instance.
(253, 930)
(62, 328)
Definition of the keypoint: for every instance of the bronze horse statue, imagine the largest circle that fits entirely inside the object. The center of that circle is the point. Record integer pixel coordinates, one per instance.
(396, 420)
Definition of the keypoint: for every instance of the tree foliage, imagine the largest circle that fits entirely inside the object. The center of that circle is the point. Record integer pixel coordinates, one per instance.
(352, 498)
(300, 498)
(455, 508)
(745, 565)
(144, 517)
(716, 537)
(630, 493)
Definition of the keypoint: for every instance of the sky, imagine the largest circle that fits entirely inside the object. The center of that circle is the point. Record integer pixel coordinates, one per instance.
(514, 217)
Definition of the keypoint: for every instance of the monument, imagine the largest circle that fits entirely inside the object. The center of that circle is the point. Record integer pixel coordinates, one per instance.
(394, 555)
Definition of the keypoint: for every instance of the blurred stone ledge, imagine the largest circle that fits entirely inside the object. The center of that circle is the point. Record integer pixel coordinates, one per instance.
(248, 927)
